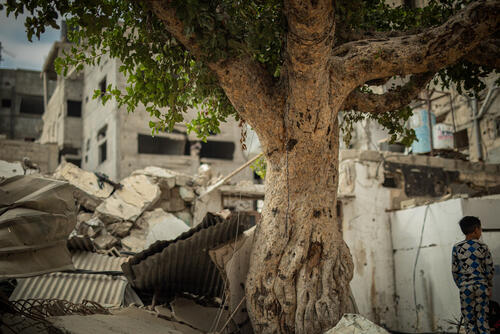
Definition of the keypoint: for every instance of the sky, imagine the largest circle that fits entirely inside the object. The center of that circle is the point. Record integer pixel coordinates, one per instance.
(17, 51)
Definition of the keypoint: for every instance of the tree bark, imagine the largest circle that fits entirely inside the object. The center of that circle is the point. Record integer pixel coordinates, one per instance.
(300, 266)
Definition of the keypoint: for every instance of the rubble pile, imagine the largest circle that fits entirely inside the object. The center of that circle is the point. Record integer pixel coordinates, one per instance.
(149, 205)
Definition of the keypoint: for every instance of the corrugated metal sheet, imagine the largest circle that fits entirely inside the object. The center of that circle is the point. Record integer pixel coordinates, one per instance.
(36, 216)
(104, 289)
(168, 268)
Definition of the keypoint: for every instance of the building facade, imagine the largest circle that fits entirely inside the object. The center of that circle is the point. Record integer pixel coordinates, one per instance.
(108, 139)
(22, 103)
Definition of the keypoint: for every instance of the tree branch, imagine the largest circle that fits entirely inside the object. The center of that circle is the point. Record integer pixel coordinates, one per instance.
(247, 84)
(430, 50)
(392, 100)
(486, 53)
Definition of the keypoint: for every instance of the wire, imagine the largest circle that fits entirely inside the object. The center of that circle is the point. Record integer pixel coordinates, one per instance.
(415, 266)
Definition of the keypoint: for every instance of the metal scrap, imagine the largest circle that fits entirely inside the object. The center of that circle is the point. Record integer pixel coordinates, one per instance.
(36, 216)
(183, 265)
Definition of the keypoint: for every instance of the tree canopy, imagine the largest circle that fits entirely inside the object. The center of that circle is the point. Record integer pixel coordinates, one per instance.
(162, 72)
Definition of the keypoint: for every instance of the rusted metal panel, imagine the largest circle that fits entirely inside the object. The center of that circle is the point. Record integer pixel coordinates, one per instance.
(183, 265)
(36, 216)
(106, 290)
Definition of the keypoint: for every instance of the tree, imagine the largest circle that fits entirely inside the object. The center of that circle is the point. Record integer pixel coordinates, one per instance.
(287, 68)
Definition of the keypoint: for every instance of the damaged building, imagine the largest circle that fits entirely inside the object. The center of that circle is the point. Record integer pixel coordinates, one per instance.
(107, 139)
(143, 240)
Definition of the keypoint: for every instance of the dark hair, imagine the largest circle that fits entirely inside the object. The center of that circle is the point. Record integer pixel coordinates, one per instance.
(469, 223)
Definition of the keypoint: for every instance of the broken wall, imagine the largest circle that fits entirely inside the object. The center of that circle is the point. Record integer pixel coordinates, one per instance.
(44, 155)
(366, 230)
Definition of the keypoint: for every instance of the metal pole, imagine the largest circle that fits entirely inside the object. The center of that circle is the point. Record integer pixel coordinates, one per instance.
(477, 130)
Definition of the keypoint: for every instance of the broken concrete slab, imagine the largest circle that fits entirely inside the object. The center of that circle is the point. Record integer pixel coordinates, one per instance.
(166, 177)
(120, 229)
(171, 200)
(204, 318)
(163, 226)
(124, 321)
(187, 194)
(135, 241)
(91, 192)
(185, 216)
(105, 241)
(356, 324)
(137, 195)
(9, 169)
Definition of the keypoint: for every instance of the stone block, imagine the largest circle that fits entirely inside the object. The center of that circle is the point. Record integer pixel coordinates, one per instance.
(137, 195)
(120, 229)
(187, 194)
(135, 241)
(105, 241)
(163, 226)
(90, 193)
(166, 177)
(172, 202)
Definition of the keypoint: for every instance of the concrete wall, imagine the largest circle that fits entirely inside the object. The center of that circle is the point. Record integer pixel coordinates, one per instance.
(436, 299)
(44, 155)
(95, 117)
(366, 230)
(14, 85)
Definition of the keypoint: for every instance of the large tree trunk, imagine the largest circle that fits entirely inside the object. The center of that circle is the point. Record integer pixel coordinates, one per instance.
(300, 266)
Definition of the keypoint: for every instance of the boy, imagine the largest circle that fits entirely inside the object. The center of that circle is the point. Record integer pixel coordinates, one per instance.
(472, 270)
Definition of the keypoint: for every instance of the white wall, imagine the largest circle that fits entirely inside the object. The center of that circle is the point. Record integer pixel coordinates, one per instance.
(437, 297)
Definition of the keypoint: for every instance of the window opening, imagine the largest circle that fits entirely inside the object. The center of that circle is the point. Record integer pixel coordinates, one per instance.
(74, 108)
(148, 144)
(31, 105)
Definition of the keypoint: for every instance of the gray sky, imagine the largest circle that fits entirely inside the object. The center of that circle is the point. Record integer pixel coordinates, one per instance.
(17, 51)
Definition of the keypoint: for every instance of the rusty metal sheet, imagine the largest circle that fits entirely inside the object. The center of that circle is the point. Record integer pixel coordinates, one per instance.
(36, 216)
(183, 265)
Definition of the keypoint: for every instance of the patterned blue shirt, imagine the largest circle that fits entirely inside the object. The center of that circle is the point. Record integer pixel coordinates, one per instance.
(472, 263)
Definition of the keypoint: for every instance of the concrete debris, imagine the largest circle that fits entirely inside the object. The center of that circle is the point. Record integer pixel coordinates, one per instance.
(185, 216)
(105, 241)
(90, 192)
(130, 320)
(187, 194)
(9, 169)
(135, 241)
(356, 324)
(204, 175)
(203, 318)
(120, 229)
(171, 201)
(37, 215)
(137, 195)
(163, 226)
(166, 177)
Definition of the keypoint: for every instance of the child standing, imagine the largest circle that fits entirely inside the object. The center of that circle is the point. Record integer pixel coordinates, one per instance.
(472, 270)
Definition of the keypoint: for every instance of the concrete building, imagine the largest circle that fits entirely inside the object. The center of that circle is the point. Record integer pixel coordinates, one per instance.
(21, 103)
(62, 119)
(108, 139)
